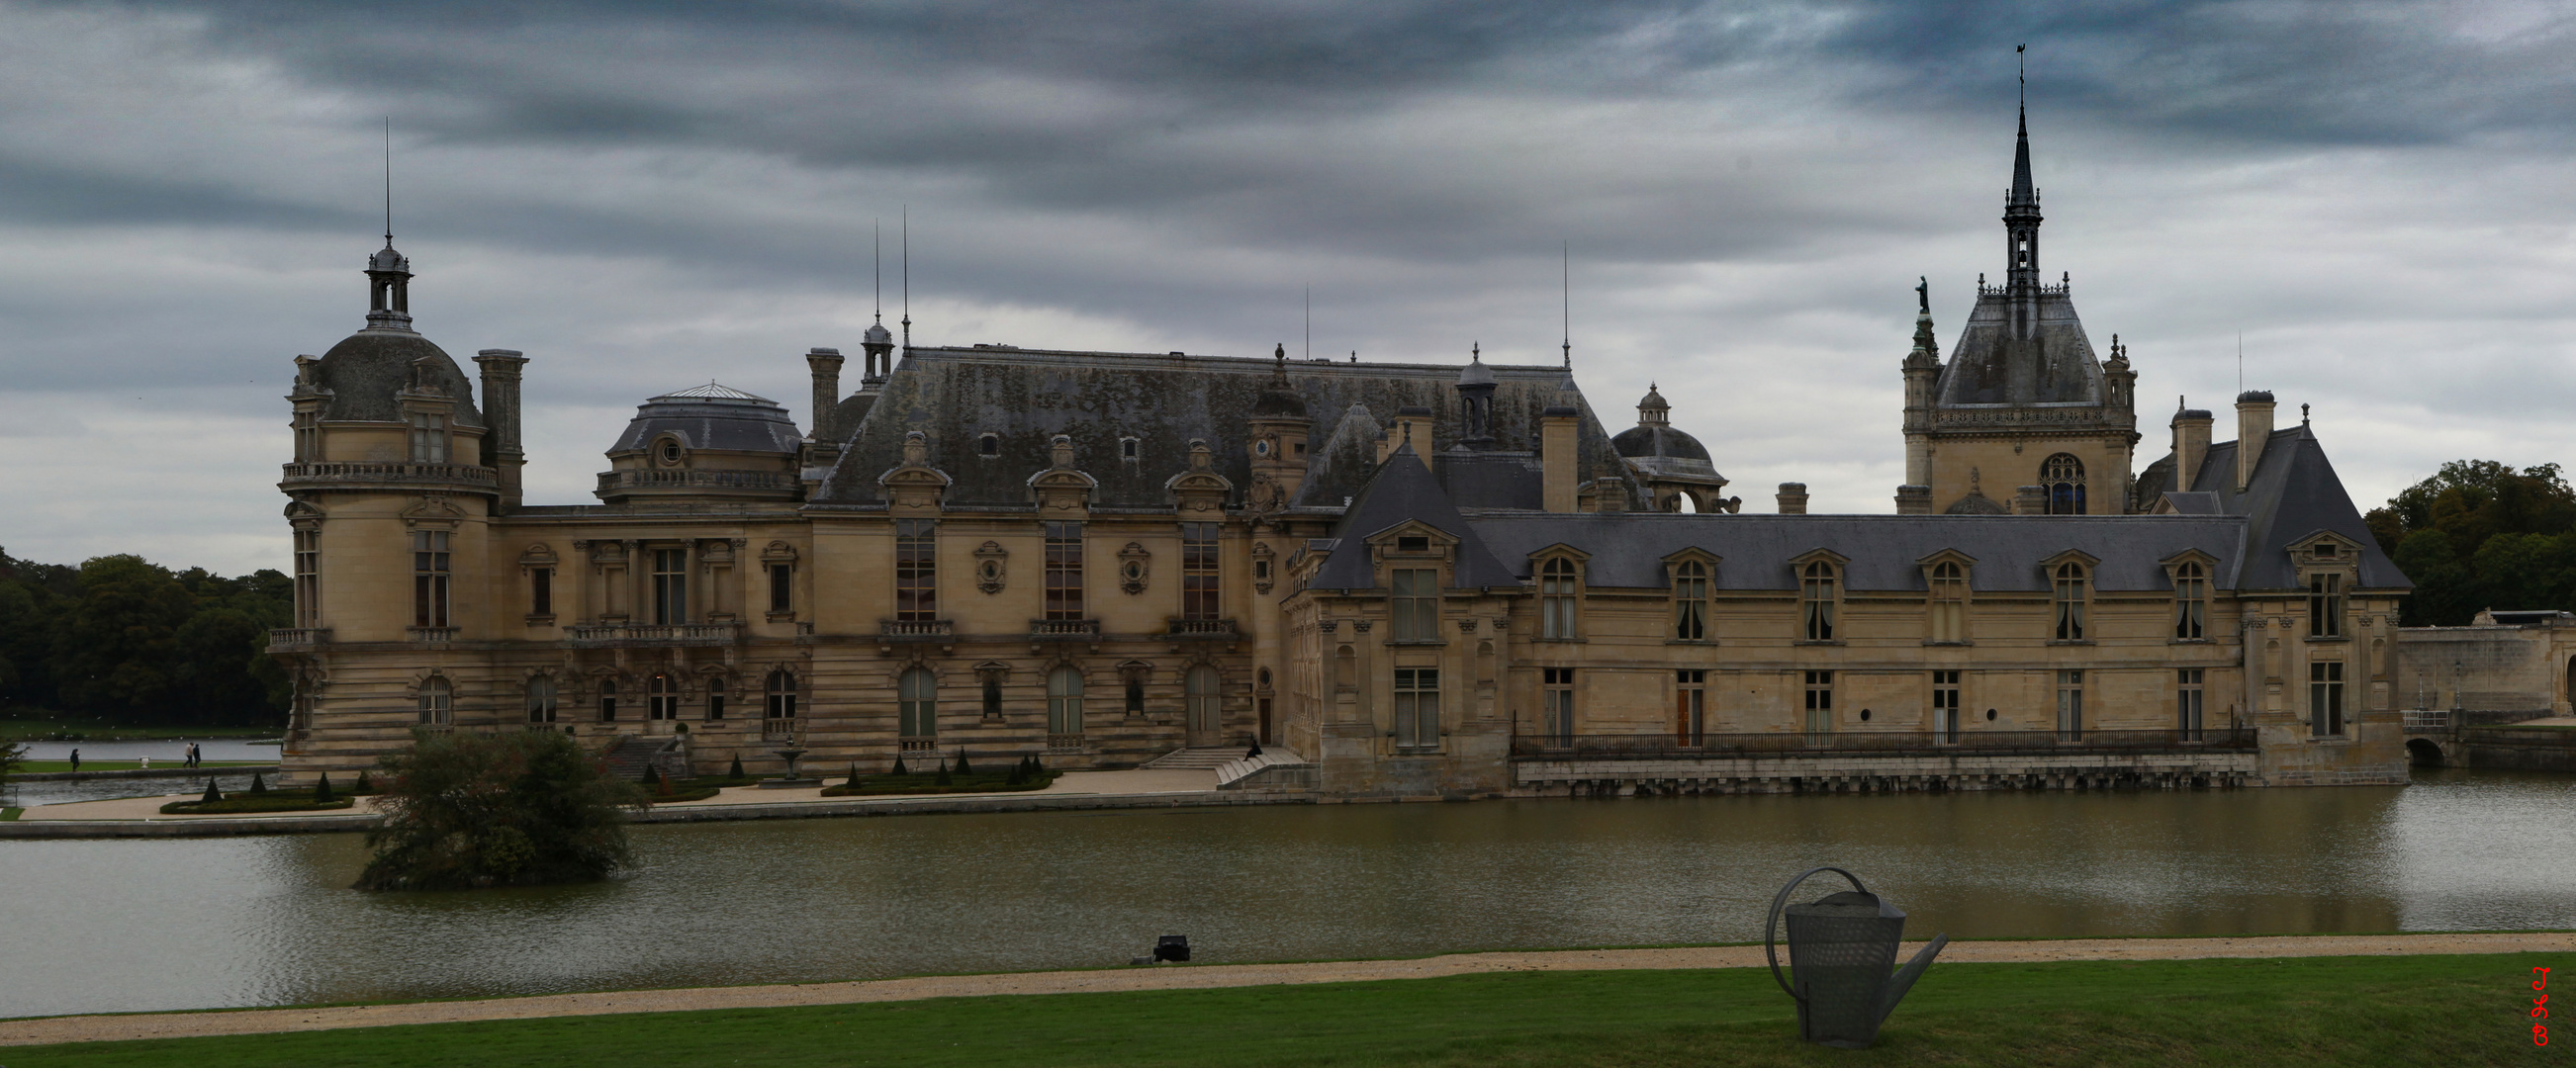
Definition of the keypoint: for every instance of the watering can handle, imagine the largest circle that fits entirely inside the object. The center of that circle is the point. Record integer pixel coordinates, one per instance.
(1771, 926)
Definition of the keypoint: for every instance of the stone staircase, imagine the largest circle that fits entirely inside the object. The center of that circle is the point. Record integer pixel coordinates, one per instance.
(1274, 769)
(633, 753)
(1209, 757)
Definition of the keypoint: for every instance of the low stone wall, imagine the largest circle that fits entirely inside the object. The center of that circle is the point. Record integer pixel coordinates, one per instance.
(146, 773)
(1875, 773)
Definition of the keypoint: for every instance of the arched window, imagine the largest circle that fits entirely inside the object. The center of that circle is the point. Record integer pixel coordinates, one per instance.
(662, 697)
(1556, 599)
(2191, 603)
(541, 699)
(917, 699)
(782, 694)
(1949, 602)
(1200, 685)
(1816, 600)
(607, 700)
(2063, 477)
(2070, 602)
(1064, 700)
(437, 705)
(716, 687)
(1690, 601)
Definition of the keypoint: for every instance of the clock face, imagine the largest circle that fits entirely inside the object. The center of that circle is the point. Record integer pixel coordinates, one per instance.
(1261, 448)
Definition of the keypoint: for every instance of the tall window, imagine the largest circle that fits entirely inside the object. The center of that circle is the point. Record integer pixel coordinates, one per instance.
(782, 587)
(429, 578)
(2070, 705)
(1945, 707)
(607, 700)
(437, 702)
(541, 699)
(1064, 572)
(308, 436)
(1200, 689)
(1556, 599)
(2189, 695)
(1136, 694)
(1820, 705)
(308, 578)
(2070, 602)
(782, 694)
(662, 697)
(2191, 603)
(428, 438)
(916, 570)
(1417, 707)
(670, 586)
(2325, 697)
(1064, 700)
(992, 696)
(2063, 477)
(1417, 603)
(715, 696)
(1556, 705)
(1816, 600)
(1690, 601)
(541, 591)
(917, 701)
(1949, 602)
(1198, 571)
(1690, 707)
(2325, 606)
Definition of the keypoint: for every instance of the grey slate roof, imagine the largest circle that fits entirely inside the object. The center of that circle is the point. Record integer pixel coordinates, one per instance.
(1404, 491)
(2056, 366)
(1026, 396)
(712, 417)
(1754, 551)
(2294, 493)
(367, 369)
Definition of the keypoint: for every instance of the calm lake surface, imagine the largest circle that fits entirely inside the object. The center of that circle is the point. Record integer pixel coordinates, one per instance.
(103, 926)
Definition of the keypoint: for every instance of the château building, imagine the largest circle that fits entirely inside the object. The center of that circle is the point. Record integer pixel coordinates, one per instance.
(1400, 579)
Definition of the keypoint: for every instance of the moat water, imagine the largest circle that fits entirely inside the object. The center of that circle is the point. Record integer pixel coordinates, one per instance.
(105, 926)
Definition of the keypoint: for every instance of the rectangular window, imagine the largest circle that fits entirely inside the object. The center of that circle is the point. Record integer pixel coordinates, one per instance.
(1945, 707)
(429, 578)
(1816, 601)
(1064, 571)
(2070, 603)
(1198, 571)
(2191, 603)
(1557, 599)
(541, 591)
(1690, 707)
(428, 438)
(782, 588)
(2188, 702)
(1820, 706)
(1417, 603)
(1417, 707)
(2325, 606)
(2325, 698)
(2070, 706)
(1556, 710)
(607, 700)
(308, 437)
(716, 697)
(916, 570)
(670, 586)
(1947, 597)
(1690, 602)
(308, 578)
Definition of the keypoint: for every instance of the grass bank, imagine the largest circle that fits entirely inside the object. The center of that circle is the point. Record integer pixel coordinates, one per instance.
(69, 729)
(2449, 1010)
(33, 766)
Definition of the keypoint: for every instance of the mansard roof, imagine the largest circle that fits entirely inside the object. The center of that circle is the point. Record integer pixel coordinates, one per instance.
(1024, 397)
(366, 370)
(1989, 366)
(2294, 493)
(711, 417)
(1401, 492)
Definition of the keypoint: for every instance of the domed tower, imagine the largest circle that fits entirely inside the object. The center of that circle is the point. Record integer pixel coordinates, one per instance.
(1672, 465)
(1278, 426)
(709, 442)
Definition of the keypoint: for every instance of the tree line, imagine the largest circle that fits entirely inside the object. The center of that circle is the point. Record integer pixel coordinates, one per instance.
(2480, 534)
(125, 640)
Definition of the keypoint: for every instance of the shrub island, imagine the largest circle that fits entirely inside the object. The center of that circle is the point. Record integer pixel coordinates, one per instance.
(259, 798)
(960, 777)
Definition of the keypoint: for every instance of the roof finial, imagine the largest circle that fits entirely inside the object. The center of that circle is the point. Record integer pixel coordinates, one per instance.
(1565, 279)
(880, 258)
(2303, 415)
(389, 181)
(907, 279)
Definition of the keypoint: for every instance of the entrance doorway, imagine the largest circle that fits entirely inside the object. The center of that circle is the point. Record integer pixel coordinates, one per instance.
(1206, 721)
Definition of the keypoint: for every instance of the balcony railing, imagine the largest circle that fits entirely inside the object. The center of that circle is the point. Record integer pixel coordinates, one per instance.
(1064, 743)
(2418, 721)
(778, 728)
(654, 633)
(1203, 628)
(916, 628)
(1802, 743)
(281, 638)
(656, 479)
(378, 473)
(920, 745)
(1064, 628)
(430, 634)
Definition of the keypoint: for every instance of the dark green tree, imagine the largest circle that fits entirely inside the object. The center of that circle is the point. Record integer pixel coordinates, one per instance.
(523, 807)
(2481, 534)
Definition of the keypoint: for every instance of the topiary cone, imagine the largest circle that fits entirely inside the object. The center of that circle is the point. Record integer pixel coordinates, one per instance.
(322, 789)
(212, 795)
(258, 785)
(898, 765)
(962, 769)
(736, 773)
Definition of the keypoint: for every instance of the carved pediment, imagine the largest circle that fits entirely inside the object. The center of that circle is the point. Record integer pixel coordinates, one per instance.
(432, 510)
(1200, 490)
(914, 485)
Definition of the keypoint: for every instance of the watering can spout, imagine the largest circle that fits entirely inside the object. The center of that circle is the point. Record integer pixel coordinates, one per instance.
(1904, 978)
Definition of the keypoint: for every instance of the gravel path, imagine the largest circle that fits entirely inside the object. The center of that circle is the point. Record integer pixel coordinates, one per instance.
(42, 1030)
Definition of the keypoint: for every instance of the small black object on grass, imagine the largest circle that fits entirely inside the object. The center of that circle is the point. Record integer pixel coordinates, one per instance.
(1172, 948)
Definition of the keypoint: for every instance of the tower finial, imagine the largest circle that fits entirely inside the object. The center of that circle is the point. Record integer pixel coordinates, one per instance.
(907, 279)
(879, 254)
(1565, 279)
(2021, 214)
(389, 181)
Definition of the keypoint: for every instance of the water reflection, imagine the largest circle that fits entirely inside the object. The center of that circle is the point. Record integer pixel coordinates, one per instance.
(108, 926)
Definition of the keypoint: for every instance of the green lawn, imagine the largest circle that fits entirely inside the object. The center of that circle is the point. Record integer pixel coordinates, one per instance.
(2452, 1010)
(99, 730)
(34, 766)
(7, 814)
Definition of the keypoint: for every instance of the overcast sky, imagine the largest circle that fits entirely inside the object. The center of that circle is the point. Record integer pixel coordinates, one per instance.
(648, 196)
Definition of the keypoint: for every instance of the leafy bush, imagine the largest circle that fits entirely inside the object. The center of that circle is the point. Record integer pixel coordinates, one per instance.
(524, 807)
(11, 755)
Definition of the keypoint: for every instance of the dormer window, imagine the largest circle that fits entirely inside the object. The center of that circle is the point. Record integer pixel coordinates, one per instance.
(428, 438)
(1126, 448)
(2325, 603)
(1816, 600)
(668, 452)
(990, 445)
(1557, 599)
(2069, 596)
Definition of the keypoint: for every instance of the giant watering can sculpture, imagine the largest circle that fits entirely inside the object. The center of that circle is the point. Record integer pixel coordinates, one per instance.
(1840, 950)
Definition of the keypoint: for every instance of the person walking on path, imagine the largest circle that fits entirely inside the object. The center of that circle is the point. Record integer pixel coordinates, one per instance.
(147, 763)
(75, 760)
(192, 754)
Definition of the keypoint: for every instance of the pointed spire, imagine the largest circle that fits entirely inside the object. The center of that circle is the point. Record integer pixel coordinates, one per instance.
(2024, 193)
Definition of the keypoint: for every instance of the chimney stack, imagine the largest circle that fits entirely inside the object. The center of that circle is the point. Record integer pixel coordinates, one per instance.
(826, 364)
(1914, 500)
(2253, 430)
(1793, 498)
(1559, 479)
(2190, 445)
(501, 450)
